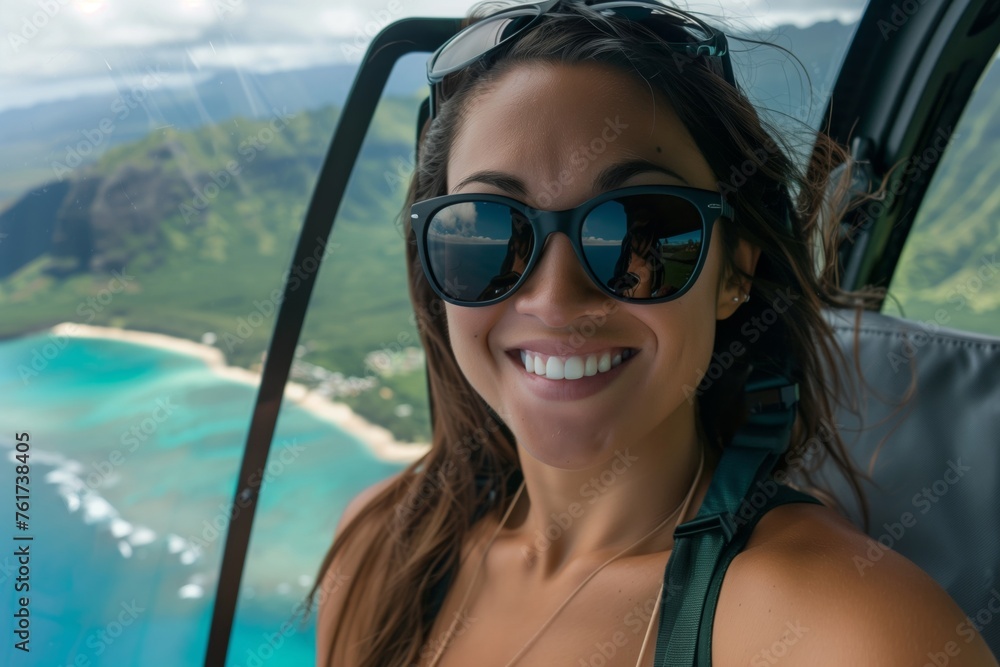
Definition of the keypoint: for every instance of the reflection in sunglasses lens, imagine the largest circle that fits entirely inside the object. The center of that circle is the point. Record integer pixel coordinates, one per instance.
(643, 246)
(638, 246)
(478, 250)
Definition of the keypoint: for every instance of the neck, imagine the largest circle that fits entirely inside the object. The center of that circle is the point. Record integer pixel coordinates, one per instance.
(566, 516)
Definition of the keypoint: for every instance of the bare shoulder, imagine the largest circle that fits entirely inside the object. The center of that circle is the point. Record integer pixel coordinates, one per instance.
(811, 589)
(333, 585)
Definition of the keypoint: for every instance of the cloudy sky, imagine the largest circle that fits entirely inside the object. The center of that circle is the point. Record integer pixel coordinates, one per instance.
(59, 48)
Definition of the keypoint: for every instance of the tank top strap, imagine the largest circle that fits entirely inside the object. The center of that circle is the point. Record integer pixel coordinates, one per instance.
(740, 492)
(693, 584)
(747, 520)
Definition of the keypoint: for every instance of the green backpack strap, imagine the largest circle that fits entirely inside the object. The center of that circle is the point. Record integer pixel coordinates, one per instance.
(701, 545)
(776, 494)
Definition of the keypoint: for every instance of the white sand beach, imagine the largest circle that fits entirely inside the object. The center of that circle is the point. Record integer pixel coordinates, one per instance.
(378, 439)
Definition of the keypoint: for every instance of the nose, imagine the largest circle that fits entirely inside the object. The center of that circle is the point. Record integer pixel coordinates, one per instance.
(558, 291)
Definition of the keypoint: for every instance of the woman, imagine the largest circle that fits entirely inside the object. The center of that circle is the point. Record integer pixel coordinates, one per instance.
(580, 417)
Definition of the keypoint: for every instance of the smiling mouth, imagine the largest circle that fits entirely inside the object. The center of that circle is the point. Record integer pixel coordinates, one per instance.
(575, 367)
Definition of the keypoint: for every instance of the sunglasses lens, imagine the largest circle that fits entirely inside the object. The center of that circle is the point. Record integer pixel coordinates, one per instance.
(477, 251)
(643, 246)
(479, 38)
(640, 246)
(679, 28)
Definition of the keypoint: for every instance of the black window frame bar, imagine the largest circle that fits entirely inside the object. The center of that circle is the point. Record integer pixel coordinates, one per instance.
(401, 38)
(901, 84)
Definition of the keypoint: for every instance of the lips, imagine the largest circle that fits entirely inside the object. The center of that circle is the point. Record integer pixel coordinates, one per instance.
(574, 367)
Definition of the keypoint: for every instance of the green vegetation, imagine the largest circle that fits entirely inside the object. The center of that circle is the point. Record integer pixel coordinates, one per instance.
(222, 243)
(948, 274)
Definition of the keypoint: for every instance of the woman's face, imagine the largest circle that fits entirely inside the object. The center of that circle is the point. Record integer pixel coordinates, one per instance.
(545, 135)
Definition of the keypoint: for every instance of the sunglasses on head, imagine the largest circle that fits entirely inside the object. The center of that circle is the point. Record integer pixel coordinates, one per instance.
(686, 36)
(640, 244)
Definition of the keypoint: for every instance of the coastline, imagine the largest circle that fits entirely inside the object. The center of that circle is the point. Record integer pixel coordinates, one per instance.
(379, 440)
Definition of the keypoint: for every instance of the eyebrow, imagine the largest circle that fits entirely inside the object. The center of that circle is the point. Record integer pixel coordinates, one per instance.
(497, 179)
(616, 174)
(610, 178)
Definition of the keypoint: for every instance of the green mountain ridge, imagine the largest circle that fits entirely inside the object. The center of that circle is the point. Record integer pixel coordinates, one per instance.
(201, 224)
(950, 260)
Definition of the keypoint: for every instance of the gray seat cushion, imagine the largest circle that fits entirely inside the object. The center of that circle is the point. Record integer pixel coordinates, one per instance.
(932, 411)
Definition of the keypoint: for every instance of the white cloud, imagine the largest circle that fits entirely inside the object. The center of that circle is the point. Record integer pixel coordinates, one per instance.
(271, 57)
(457, 219)
(755, 14)
(50, 44)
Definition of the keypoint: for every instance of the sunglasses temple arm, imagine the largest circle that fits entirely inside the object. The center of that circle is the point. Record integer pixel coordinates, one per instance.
(727, 59)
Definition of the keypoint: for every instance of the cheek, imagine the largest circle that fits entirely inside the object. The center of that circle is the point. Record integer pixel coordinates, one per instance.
(685, 329)
(468, 333)
(701, 337)
(685, 335)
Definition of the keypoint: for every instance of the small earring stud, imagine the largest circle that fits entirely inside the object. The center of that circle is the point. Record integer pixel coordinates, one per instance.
(736, 299)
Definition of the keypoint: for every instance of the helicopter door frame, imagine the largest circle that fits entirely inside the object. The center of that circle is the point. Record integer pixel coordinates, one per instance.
(401, 38)
(904, 84)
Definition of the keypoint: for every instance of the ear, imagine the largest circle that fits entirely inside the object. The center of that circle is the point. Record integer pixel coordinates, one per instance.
(733, 288)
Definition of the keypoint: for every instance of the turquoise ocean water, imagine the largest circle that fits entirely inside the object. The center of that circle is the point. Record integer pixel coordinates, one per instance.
(134, 452)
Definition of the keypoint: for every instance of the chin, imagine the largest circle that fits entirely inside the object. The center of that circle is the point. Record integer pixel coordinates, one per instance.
(566, 449)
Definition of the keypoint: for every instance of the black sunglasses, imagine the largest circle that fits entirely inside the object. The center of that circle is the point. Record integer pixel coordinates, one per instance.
(642, 244)
(686, 35)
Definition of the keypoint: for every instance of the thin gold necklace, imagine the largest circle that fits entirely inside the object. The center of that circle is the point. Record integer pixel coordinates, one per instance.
(681, 510)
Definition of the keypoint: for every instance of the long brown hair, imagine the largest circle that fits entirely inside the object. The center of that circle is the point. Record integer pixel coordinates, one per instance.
(472, 467)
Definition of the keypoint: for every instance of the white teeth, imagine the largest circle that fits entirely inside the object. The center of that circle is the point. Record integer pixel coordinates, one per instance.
(572, 368)
(604, 363)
